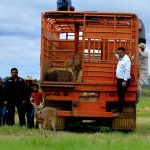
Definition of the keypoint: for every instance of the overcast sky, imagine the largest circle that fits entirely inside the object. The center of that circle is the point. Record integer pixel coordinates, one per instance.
(20, 22)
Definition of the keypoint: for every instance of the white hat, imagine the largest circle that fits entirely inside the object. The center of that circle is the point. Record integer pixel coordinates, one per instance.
(142, 45)
(28, 78)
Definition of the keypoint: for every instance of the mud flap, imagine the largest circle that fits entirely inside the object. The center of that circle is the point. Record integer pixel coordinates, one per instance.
(126, 121)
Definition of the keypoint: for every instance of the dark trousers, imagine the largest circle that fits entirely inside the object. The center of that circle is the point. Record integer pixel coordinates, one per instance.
(66, 8)
(11, 114)
(3, 114)
(30, 116)
(121, 93)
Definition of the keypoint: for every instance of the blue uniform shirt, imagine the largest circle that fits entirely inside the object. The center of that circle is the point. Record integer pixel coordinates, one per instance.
(59, 3)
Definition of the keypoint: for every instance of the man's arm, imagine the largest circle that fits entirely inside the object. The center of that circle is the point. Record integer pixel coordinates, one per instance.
(6, 90)
(23, 89)
(116, 55)
(143, 54)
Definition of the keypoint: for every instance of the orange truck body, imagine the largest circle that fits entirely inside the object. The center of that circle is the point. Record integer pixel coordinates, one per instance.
(92, 37)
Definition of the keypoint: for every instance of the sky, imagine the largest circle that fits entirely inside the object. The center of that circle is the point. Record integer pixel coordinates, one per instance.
(20, 29)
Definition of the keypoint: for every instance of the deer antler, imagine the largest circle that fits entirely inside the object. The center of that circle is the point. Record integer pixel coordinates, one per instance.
(40, 106)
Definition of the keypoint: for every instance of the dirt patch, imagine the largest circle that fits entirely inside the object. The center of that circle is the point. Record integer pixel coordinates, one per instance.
(147, 108)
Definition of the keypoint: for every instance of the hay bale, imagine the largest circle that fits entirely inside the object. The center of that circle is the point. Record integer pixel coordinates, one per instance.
(77, 66)
(59, 75)
(71, 72)
(79, 78)
(75, 63)
(67, 64)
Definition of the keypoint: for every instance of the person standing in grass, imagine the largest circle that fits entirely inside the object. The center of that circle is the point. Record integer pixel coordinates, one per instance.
(123, 77)
(142, 59)
(28, 106)
(1, 102)
(36, 99)
(3, 107)
(143, 67)
(14, 94)
(36, 96)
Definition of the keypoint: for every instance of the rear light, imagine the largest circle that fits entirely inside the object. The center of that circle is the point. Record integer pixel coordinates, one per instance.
(88, 94)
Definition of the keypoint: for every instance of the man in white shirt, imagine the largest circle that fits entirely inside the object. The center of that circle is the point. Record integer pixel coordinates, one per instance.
(123, 77)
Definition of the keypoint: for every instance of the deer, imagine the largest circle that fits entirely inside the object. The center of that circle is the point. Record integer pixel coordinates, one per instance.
(44, 115)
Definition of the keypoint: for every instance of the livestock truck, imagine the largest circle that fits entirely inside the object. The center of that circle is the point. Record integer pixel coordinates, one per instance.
(77, 66)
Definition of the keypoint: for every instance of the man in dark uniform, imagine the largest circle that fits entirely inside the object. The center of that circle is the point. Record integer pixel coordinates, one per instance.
(29, 110)
(14, 94)
(1, 101)
(3, 105)
(65, 5)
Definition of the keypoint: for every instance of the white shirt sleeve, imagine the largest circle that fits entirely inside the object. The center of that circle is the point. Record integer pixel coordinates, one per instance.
(127, 70)
(116, 56)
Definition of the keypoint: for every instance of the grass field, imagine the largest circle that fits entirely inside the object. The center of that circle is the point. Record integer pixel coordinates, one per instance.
(17, 138)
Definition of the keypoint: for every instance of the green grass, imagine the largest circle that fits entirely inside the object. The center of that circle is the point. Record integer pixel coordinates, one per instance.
(74, 141)
(143, 107)
(145, 91)
(21, 138)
